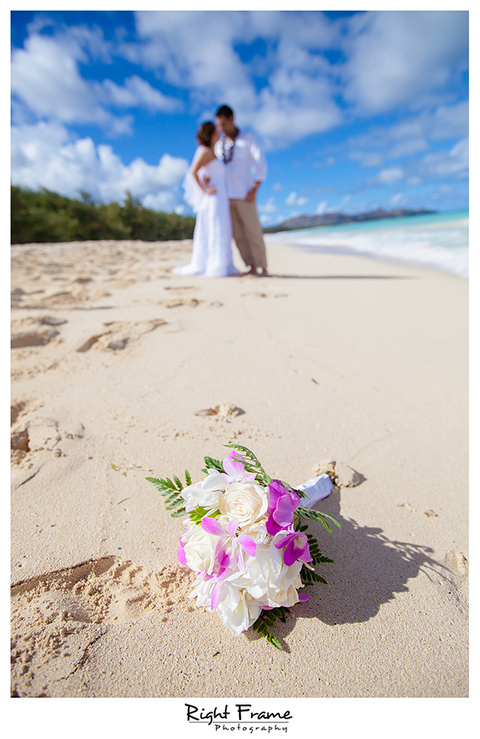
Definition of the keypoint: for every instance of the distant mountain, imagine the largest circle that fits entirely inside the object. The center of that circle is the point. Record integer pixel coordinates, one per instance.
(332, 219)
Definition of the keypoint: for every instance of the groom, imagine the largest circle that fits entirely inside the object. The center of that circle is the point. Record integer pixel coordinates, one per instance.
(246, 169)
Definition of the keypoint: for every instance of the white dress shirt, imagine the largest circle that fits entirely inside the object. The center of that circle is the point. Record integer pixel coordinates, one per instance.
(247, 165)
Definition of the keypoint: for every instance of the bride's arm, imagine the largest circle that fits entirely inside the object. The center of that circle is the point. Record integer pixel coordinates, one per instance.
(205, 157)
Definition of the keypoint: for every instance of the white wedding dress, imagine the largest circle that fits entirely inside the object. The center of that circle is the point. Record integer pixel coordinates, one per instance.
(212, 238)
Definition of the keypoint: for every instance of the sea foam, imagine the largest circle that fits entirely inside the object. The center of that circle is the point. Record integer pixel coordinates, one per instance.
(437, 240)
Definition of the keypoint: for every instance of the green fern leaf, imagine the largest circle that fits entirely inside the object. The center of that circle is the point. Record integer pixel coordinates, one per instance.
(177, 483)
(212, 464)
(179, 513)
(318, 516)
(171, 494)
(172, 506)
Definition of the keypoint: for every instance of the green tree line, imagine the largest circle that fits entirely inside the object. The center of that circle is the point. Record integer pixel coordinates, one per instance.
(45, 216)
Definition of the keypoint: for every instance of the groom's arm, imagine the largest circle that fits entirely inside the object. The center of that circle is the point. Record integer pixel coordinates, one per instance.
(252, 194)
(260, 168)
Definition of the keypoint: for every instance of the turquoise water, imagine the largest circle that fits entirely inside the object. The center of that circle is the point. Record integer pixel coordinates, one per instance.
(437, 240)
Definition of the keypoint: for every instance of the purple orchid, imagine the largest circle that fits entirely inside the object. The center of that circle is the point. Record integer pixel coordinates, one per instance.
(216, 594)
(235, 468)
(222, 558)
(246, 542)
(181, 554)
(296, 547)
(282, 506)
(211, 526)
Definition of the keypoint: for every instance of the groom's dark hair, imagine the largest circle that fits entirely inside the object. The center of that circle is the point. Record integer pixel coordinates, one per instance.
(224, 112)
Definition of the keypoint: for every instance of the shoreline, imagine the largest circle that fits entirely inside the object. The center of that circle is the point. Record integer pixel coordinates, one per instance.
(309, 248)
(345, 251)
(332, 357)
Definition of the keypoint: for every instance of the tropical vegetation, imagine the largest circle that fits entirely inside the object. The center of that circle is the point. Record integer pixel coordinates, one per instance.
(44, 216)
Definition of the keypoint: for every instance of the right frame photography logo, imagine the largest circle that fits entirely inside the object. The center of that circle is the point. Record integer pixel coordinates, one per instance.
(241, 717)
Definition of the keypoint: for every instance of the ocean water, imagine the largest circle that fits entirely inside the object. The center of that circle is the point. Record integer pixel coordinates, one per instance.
(438, 240)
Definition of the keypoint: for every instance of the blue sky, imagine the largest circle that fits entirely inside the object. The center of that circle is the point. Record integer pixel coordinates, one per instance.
(356, 110)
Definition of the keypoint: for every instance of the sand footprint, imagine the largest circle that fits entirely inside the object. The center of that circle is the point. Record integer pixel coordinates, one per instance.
(180, 302)
(118, 334)
(221, 411)
(180, 288)
(28, 332)
(17, 409)
(58, 617)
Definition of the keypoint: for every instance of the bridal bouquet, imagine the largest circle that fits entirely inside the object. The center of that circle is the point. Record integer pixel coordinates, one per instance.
(245, 541)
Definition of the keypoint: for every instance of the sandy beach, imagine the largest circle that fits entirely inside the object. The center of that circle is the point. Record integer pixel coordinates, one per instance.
(123, 370)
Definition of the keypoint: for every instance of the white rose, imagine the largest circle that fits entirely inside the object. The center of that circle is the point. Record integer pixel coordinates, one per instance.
(199, 547)
(258, 532)
(245, 502)
(206, 493)
(237, 609)
(267, 579)
(243, 615)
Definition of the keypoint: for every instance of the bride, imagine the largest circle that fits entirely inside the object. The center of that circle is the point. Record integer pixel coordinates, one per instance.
(205, 192)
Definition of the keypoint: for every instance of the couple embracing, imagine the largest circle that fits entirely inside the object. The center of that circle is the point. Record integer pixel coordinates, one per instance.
(225, 174)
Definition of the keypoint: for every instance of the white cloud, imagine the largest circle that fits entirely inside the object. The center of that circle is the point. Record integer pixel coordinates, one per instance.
(389, 175)
(341, 205)
(165, 201)
(281, 120)
(268, 207)
(296, 200)
(409, 136)
(136, 92)
(402, 58)
(368, 158)
(448, 121)
(291, 199)
(299, 98)
(44, 155)
(392, 59)
(441, 123)
(194, 50)
(397, 198)
(408, 148)
(46, 80)
(321, 208)
(45, 76)
(453, 163)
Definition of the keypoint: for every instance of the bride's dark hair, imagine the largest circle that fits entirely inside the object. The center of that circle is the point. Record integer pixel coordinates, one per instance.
(205, 133)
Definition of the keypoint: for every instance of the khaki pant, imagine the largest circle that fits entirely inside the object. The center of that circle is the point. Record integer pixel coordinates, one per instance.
(248, 233)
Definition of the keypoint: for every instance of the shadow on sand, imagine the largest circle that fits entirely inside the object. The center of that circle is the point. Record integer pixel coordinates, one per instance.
(368, 570)
(342, 277)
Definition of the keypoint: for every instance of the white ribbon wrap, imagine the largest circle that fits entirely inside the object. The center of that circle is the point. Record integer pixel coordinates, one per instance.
(316, 489)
